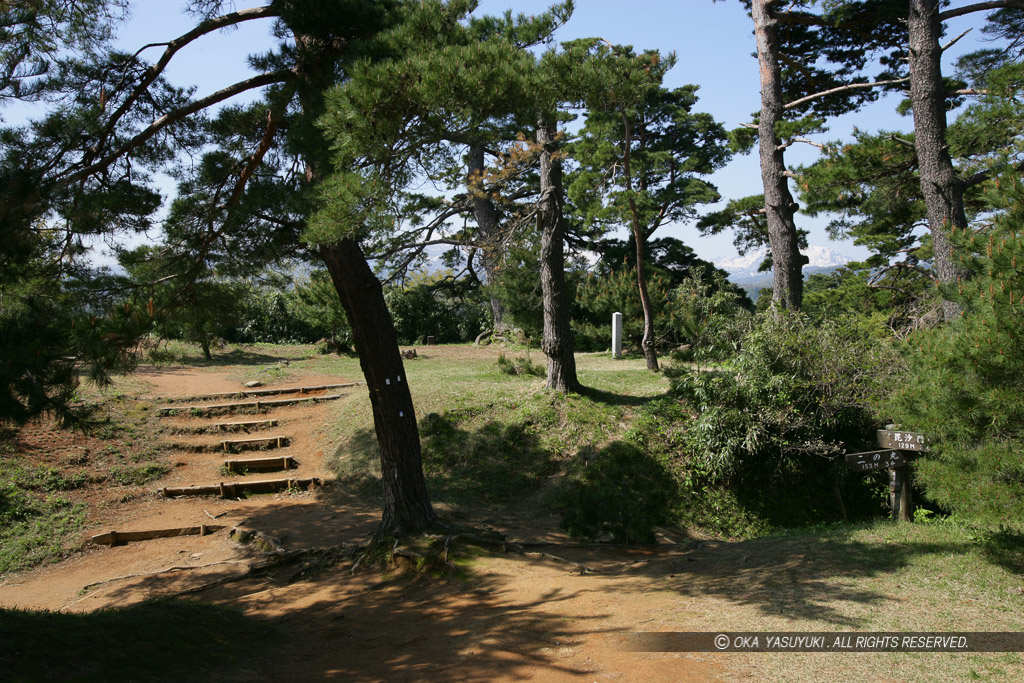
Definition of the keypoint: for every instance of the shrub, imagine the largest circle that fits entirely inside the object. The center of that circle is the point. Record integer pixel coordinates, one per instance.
(966, 378)
(619, 490)
(436, 305)
(772, 428)
(703, 310)
(520, 366)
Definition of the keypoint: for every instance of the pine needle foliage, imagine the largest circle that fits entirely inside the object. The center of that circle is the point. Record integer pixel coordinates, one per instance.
(965, 389)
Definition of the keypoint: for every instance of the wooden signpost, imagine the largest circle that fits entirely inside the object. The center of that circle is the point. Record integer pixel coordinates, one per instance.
(898, 448)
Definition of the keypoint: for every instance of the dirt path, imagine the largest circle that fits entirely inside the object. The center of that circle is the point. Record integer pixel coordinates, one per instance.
(285, 514)
(532, 616)
(514, 619)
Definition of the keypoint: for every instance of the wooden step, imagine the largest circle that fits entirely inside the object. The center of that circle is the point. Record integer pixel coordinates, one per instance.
(240, 426)
(260, 443)
(258, 406)
(283, 462)
(244, 393)
(221, 427)
(265, 443)
(240, 488)
(112, 538)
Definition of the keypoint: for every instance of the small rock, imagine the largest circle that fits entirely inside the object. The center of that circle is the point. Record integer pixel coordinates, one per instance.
(253, 384)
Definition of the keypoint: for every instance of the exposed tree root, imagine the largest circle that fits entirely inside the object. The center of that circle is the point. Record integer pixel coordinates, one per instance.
(431, 552)
(141, 575)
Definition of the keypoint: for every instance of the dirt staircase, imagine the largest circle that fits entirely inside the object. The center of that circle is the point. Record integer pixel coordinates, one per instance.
(231, 455)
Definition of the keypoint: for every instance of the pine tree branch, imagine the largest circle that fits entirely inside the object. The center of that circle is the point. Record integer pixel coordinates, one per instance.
(153, 72)
(793, 141)
(274, 118)
(70, 177)
(982, 176)
(844, 88)
(968, 91)
(955, 40)
(800, 19)
(906, 143)
(979, 7)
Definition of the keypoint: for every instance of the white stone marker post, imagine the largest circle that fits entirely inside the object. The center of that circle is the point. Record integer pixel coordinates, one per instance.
(616, 335)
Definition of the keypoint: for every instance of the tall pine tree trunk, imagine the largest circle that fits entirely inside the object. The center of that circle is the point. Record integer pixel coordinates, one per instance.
(640, 239)
(780, 208)
(406, 505)
(557, 342)
(486, 216)
(647, 344)
(942, 188)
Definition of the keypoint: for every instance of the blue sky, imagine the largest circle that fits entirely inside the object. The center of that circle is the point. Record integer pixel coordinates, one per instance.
(713, 43)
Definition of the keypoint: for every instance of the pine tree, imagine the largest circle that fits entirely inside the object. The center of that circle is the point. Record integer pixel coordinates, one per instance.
(876, 181)
(968, 376)
(88, 163)
(642, 153)
(811, 65)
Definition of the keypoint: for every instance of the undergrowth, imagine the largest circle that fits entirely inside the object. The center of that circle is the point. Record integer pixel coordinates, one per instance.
(45, 470)
(519, 366)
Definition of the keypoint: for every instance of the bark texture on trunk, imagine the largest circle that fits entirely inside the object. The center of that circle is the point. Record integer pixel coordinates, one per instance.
(788, 262)
(647, 344)
(942, 188)
(406, 505)
(557, 343)
(486, 216)
(640, 239)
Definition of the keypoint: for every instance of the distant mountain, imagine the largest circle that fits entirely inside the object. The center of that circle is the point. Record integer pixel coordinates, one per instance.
(743, 270)
(746, 267)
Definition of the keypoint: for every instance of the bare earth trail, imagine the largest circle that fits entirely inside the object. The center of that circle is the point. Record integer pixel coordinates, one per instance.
(513, 619)
(554, 613)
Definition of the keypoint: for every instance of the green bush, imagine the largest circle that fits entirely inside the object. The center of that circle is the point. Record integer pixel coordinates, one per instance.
(519, 366)
(602, 294)
(966, 378)
(708, 315)
(270, 314)
(435, 305)
(772, 428)
(619, 490)
(703, 311)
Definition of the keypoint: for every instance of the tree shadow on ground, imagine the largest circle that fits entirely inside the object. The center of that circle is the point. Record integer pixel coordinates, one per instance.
(813, 577)
(225, 358)
(368, 625)
(491, 465)
(1005, 548)
(611, 398)
(328, 621)
(147, 641)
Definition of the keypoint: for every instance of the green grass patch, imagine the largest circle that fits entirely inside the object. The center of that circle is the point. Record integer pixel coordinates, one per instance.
(20, 475)
(152, 640)
(491, 438)
(41, 513)
(35, 529)
(943, 576)
(137, 475)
